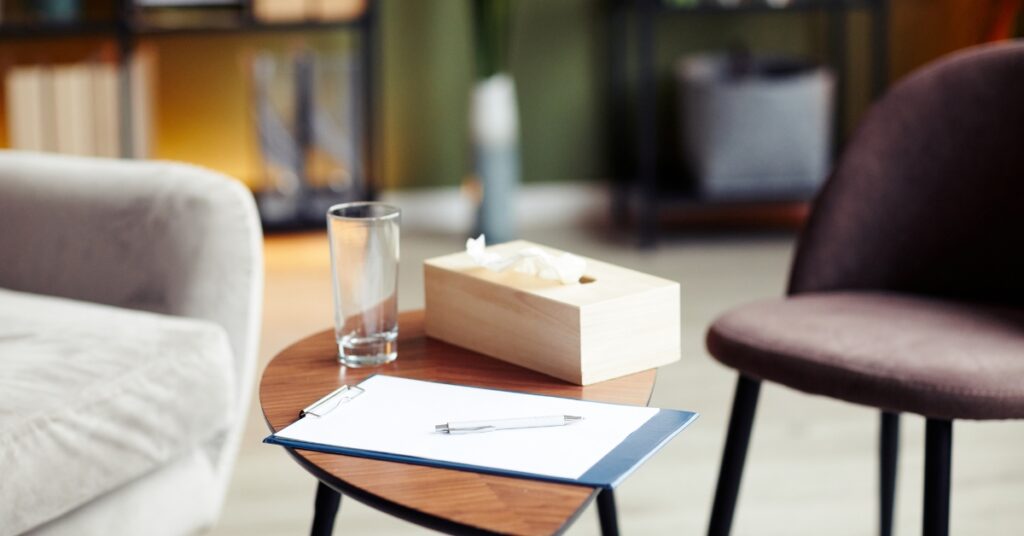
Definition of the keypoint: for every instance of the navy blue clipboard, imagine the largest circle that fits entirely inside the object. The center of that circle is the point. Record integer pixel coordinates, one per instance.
(609, 472)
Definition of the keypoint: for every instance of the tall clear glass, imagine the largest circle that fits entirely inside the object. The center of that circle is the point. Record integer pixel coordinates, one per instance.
(364, 260)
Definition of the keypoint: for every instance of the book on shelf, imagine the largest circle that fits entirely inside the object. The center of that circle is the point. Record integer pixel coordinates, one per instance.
(333, 10)
(308, 119)
(106, 109)
(307, 110)
(281, 11)
(77, 108)
(72, 93)
(30, 122)
(335, 159)
(143, 98)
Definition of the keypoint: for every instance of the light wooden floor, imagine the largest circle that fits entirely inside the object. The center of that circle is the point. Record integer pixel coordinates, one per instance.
(811, 468)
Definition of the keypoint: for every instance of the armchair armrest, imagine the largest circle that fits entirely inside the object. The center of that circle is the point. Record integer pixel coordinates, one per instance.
(155, 236)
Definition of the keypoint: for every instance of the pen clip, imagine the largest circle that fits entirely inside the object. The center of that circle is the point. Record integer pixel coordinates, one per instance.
(331, 401)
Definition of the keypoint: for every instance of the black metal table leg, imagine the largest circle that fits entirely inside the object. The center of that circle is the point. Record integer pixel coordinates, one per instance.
(326, 508)
(607, 514)
(938, 451)
(735, 453)
(889, 443)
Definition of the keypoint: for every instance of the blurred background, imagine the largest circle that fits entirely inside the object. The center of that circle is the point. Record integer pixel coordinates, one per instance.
(209, 77)
(683, 138)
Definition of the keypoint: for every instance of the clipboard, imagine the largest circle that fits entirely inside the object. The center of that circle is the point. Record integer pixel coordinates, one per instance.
(375, 420)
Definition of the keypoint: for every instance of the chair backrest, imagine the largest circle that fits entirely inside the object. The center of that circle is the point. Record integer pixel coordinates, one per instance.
(928, 197)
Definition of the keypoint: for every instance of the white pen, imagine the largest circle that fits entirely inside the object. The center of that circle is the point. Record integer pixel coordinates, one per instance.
(467, 427)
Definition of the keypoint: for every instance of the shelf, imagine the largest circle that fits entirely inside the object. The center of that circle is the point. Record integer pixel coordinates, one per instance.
(300, 212)
(641, 181)
(761, 6)
(246, 27)
(130, 22)
(23, 30)
(796, 195)
(670, 198)
(49, 30)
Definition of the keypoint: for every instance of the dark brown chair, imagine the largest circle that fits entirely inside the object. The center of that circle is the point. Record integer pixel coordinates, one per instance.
(907, 290)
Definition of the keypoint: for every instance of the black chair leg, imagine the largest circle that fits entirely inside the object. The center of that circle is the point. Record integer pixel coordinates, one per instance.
(889, 445)
(325, 510)
(606, 513)
(938, 453)
(736, 440)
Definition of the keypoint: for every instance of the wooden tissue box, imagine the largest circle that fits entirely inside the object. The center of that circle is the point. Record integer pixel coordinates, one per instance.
(616, 322)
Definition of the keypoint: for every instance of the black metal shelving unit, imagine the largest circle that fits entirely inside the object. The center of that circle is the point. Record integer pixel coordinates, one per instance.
(635, 187)
(49, 30)
(126, 26)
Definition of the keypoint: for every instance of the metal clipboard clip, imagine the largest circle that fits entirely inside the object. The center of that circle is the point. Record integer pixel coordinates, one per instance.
(331, 401)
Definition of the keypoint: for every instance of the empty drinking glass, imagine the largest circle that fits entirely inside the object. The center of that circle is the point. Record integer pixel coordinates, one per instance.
(364, 262)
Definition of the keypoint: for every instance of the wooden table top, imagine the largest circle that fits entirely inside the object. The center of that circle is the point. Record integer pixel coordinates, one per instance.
(444, 499)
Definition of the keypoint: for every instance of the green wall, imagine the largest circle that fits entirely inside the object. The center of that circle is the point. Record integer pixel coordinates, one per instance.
(559, 62)
(425, 76)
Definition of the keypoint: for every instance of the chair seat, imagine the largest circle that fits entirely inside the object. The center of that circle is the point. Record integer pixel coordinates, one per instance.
(93, 397)
(936, 358)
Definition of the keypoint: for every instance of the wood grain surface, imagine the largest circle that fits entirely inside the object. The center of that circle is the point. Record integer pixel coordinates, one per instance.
(308, 369)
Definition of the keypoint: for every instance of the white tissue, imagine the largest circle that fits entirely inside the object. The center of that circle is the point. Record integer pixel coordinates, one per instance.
(565, 268)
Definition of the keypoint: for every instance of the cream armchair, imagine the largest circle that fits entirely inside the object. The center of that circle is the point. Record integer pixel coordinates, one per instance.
(130, 296)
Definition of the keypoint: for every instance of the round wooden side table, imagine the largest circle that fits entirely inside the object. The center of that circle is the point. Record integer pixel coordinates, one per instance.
(453, 501)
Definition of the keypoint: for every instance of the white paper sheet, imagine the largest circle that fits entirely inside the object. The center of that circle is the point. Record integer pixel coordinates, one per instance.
(398, 415)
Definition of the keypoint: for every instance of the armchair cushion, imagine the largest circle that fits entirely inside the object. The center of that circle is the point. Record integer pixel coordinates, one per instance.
(93, 397)
(938, 358)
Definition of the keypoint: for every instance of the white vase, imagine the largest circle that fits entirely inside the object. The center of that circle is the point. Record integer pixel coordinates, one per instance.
(494, 132)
